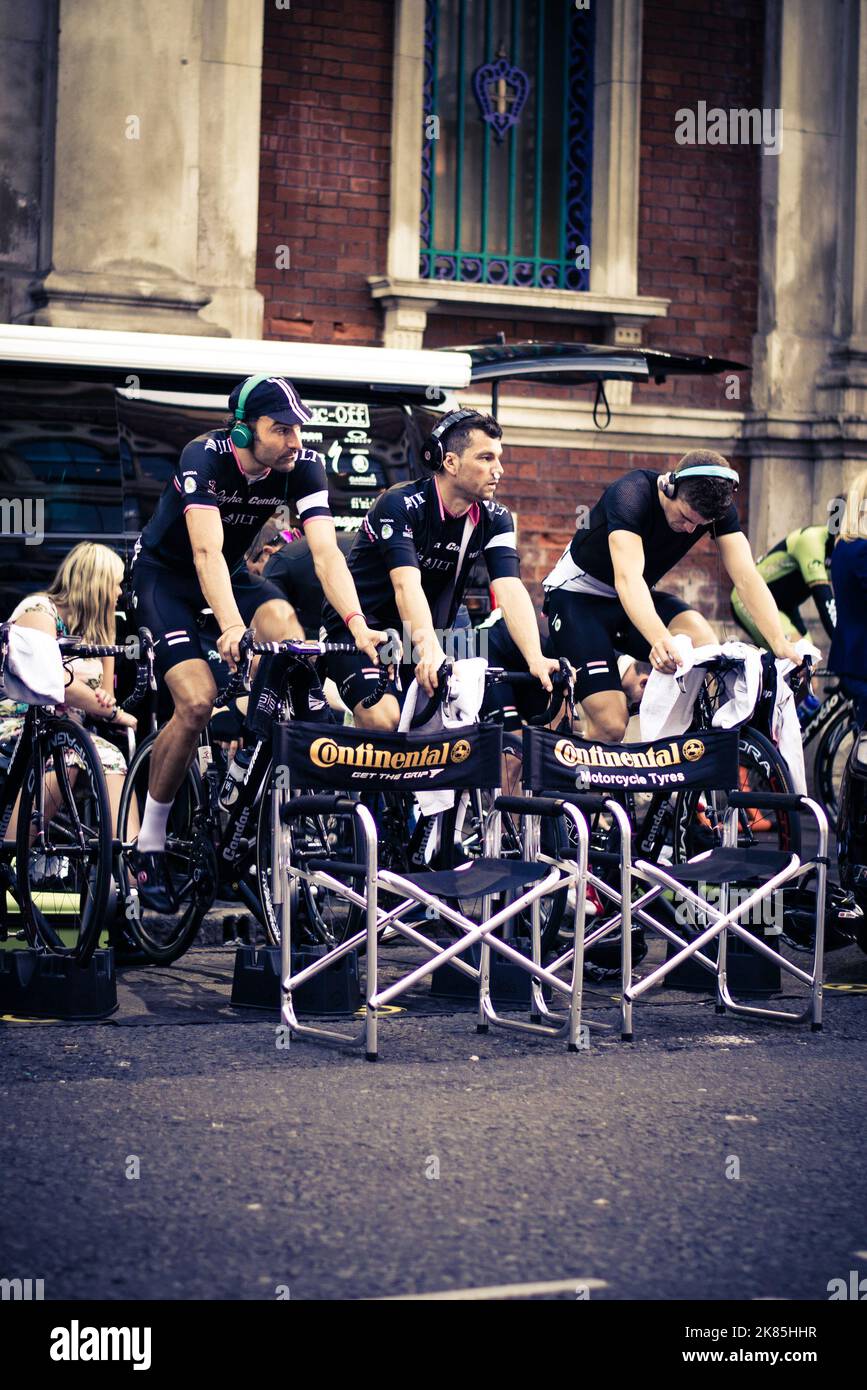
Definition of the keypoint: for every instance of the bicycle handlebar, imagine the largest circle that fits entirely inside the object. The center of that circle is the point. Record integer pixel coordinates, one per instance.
(300, 651)
(561, 682)
(72, 648)
(391, 638)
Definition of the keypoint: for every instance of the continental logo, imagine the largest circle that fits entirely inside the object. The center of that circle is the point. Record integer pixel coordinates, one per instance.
(327, 752)
(572, 755)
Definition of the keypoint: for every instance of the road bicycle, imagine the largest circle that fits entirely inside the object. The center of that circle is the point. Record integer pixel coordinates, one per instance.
(835, 728)
(217, 851)
(55, 875)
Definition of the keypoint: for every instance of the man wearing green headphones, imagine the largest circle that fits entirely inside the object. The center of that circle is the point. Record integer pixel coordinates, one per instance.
(191, 555)
(601, 599)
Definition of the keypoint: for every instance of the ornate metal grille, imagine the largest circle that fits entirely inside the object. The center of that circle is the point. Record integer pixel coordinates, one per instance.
(508, 143)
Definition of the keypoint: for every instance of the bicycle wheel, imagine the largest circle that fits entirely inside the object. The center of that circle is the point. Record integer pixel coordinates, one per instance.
(699, 814)
(463, 834)
(63, 843)
(192, 863)
(832, 755)
(322, 917)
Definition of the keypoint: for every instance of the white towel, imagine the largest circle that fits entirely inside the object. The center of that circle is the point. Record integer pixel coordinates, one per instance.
(785, 725)
(460, 705)
(668, 701)
(34, 669)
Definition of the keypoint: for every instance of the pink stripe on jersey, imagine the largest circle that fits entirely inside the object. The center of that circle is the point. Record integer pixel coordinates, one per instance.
(474, 512)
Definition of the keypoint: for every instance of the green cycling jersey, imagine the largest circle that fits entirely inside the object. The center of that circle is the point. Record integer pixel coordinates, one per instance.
(795, 569)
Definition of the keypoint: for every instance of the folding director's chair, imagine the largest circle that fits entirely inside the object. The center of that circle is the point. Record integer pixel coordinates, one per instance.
(764, 872)
(707, 761)
(351, 760)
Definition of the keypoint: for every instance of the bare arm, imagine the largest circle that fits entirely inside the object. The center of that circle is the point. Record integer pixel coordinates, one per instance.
(520, 618)
(757, 597)
(205, 530)
(337, 583)
(627, 557)
(414, 610)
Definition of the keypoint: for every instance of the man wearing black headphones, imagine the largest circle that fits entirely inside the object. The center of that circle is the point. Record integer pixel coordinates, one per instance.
(190, 555)
(412, 558)
(600, 596)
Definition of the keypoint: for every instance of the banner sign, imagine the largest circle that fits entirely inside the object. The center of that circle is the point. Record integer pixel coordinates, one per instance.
(557, 763)
(339, 759)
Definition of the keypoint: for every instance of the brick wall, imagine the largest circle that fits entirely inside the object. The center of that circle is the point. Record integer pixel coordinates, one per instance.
(698, 247)
(326, 116)
(324, 174)
(699, 204)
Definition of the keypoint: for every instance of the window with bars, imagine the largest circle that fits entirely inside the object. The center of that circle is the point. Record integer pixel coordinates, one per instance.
(507, 153)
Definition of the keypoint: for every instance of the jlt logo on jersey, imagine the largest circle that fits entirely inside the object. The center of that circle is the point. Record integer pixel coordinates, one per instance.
(241, 519)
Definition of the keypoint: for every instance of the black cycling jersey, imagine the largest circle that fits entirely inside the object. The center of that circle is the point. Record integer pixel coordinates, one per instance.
(409, 525)
(631, 504)
(293, 571)
(209, 475)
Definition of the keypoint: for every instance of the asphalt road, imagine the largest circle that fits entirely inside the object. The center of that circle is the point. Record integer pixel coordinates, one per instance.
(266, 1172)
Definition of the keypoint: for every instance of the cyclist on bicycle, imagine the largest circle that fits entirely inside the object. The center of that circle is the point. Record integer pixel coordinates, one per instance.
(600, 596)
(412, 558)
(796, 569)
(292, 569)
(228, 482)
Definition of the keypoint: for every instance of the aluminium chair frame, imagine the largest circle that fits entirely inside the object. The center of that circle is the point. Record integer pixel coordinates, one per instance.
(388, 923)
(725, 918)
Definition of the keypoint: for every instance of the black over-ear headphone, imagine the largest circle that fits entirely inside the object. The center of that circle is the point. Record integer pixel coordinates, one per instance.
(432, 455)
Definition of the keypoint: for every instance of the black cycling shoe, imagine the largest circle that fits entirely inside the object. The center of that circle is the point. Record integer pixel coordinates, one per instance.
(153, 880)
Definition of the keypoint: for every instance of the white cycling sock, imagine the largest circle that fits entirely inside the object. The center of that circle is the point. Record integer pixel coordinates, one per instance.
(152, 836)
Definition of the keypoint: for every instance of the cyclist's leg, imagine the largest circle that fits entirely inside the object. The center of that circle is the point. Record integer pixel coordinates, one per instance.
(264, 607)
(792, 627)
(516, 703)
(170, 606)
(356, 678)
(192, 689)
(582, 629)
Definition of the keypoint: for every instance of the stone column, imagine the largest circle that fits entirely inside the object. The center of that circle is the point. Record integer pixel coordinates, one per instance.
(156, 167)
(842, 386)
(28, 57)
(807, 200)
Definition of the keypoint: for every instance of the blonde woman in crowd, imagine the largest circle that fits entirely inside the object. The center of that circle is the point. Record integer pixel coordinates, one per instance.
(81, 601)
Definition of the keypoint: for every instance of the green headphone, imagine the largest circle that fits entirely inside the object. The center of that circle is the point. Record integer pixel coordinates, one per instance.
(241, 435)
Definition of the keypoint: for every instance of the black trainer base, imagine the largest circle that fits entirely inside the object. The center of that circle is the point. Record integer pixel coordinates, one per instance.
(509, 983)
(36, 985)
(256, 982)
(748, 971)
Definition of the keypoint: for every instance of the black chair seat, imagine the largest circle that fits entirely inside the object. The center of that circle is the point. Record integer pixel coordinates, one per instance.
(731, 865)
(479, 877)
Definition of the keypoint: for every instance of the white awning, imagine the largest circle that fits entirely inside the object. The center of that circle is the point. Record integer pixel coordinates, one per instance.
(233, 358)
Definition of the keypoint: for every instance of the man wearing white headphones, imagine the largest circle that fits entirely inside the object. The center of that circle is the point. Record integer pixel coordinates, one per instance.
(600, 596)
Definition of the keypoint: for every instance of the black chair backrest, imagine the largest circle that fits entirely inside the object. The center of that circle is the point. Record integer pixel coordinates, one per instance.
(346, 759)
(556, 763)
